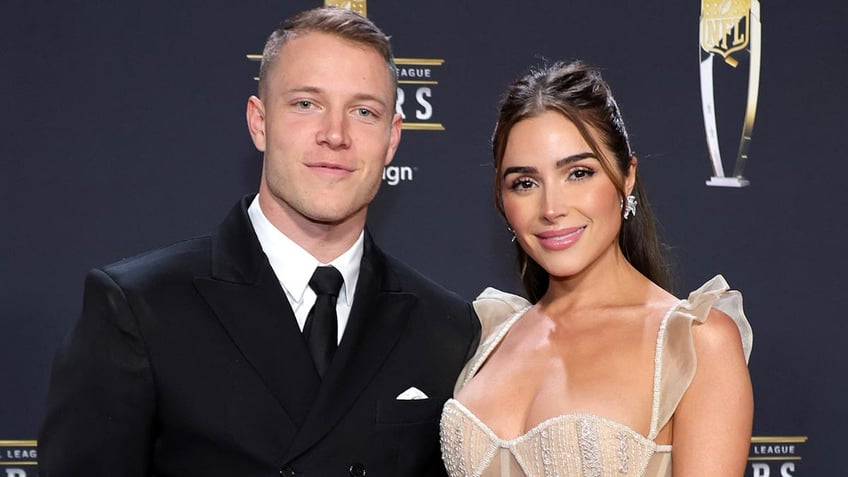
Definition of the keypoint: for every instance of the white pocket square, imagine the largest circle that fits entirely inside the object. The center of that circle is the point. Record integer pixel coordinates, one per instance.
(411, 394)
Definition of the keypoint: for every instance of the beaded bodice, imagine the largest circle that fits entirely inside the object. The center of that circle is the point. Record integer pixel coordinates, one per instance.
(573, 444)
(582, 445)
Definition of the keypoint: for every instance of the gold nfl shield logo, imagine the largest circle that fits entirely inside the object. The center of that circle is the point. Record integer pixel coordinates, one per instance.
(725, 26)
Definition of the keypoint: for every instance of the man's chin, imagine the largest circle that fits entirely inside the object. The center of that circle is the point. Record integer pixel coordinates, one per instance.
(333, 218)
(328, 221)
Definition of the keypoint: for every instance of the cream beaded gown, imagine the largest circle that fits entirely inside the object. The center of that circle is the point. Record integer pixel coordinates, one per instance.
(582, 445)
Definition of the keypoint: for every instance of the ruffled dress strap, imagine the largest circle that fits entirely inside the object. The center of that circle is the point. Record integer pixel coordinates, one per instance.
(497, 311)
(675, 359)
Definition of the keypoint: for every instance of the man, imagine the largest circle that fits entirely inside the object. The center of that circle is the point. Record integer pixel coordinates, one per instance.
(206, 358)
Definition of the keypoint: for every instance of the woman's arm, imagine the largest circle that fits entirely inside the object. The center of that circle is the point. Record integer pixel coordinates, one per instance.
(712, 425)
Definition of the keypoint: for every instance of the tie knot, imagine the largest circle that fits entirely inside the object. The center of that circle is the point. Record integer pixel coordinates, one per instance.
(326, 281)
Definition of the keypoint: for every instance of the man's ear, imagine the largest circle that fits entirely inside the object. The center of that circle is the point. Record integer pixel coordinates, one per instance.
(394, 138)
(256, 122)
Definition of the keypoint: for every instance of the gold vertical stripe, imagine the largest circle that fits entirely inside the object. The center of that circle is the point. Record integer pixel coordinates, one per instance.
(755, 32)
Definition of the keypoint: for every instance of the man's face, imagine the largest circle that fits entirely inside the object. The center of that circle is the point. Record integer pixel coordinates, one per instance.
(327, 126)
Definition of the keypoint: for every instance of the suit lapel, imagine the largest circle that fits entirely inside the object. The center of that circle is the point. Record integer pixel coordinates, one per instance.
(377, 320)
(249, 302)
(247, 299)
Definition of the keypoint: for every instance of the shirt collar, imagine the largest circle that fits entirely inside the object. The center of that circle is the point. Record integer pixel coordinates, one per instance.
(294, 266)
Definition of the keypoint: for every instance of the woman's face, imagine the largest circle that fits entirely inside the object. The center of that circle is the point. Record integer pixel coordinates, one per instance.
(563, 206)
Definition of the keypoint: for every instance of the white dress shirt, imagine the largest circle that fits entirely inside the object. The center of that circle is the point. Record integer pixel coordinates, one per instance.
(294, 266)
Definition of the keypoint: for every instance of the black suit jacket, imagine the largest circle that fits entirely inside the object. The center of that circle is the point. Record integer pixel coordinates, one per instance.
(187, 361)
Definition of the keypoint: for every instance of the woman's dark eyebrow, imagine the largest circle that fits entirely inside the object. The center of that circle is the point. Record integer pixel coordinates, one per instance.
(519, 170)
(574, 158)
(560, 163)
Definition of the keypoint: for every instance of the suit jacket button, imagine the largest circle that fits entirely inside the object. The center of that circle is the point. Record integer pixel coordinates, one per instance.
(357, 470)
(287, 472)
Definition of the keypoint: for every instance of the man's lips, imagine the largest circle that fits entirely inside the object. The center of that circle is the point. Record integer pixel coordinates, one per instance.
(330, 167)
(560, 239)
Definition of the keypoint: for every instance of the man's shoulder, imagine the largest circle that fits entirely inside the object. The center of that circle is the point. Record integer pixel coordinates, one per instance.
(186, 257)
(410, 279)
(440, 307)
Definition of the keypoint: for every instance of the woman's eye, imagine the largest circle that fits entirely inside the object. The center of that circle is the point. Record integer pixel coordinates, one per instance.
(522, 184)
(581, 173)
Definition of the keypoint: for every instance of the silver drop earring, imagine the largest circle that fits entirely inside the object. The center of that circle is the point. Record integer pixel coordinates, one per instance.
(630, 207)
(512, 232)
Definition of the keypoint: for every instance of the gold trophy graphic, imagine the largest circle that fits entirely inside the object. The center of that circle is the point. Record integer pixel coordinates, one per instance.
(357, 6)
(728, 27)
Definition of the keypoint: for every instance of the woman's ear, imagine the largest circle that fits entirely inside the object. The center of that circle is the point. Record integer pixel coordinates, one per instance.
(630, 179)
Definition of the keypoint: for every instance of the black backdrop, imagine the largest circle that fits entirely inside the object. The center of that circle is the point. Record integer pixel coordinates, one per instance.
(123, 129)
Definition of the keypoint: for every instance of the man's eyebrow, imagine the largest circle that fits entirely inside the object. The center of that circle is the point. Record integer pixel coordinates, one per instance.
(356, 97)
(370, 97)
(303, 89)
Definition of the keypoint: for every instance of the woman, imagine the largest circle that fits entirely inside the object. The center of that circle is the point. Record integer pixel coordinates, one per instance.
(602, 372)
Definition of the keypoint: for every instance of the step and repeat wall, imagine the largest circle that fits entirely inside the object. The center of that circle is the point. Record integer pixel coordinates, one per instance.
(123, 129)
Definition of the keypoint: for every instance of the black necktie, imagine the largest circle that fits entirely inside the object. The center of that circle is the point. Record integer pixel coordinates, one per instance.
(321, 325)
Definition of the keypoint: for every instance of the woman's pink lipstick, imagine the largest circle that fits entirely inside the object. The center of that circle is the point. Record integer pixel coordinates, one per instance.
(560, 239)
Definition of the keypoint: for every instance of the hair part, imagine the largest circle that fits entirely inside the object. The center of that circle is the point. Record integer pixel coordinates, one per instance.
(578, 92)
(340, 22)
